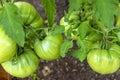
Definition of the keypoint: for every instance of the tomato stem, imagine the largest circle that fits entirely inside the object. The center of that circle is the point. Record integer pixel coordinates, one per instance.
(105, 40)
(1, 3)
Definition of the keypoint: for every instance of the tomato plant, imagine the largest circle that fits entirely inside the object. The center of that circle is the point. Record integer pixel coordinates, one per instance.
(87, 26)
(103, 61)
(49, 48)
(8, 47)
(23, 65)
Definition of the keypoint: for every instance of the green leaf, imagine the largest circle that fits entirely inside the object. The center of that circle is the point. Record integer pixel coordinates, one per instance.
(11, 22)
(58, 30)
(105, 10)
(76, 54)
(75, 4)
(34, 76)
(65, 47)
(69, 32)
(81, 53)
(83, 29)
(118, 35)
(50, 10)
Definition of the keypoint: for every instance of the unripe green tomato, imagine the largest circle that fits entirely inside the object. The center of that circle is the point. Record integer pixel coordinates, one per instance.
(118, 17)
(93, 36)
(103, 61)
(49, 48)
(116, 48)
(22, 66)
(8, 47)
(29, 14)
(118, 21)
(89, 43)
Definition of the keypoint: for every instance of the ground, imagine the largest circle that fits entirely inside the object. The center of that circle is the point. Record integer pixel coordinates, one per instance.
(66, 68)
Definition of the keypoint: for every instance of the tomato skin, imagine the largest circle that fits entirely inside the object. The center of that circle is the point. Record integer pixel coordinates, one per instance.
(116, 48)
(49, 48)
(93, 36)
(118, 21)
(23, 65)
(118, 16)
(29, 14)
(8, 48)
(103, 61)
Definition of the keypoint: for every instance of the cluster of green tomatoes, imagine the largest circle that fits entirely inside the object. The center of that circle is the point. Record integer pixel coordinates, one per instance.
(23, 63)
(103, 55)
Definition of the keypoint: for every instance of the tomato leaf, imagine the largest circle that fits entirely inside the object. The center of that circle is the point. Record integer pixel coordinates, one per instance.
(105, 10)
(58, 30)
(118, 35)
(11, 22)
(76, 54)
(50, 10)
(65, 47)
(75, 4)
(81, 53)
(83, 29)
(69, 31)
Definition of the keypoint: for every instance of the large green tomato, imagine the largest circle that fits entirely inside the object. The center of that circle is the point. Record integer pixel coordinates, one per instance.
(22, 66)
(8, 48)
(103, 61)
(49, 48)
(29, 14)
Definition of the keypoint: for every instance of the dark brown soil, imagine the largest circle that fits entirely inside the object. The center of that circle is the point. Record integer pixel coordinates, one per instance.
(66, 68)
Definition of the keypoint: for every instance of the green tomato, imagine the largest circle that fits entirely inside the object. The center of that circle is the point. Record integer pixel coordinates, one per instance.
(22, 66)
(118, 17)
(93, 36)
(118, 21)
(103, 61)
(49, 48)
(29, 14)
(116, 48)
(8, 47)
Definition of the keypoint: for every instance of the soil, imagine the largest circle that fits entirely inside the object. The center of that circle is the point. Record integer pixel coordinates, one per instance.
(66, 68)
